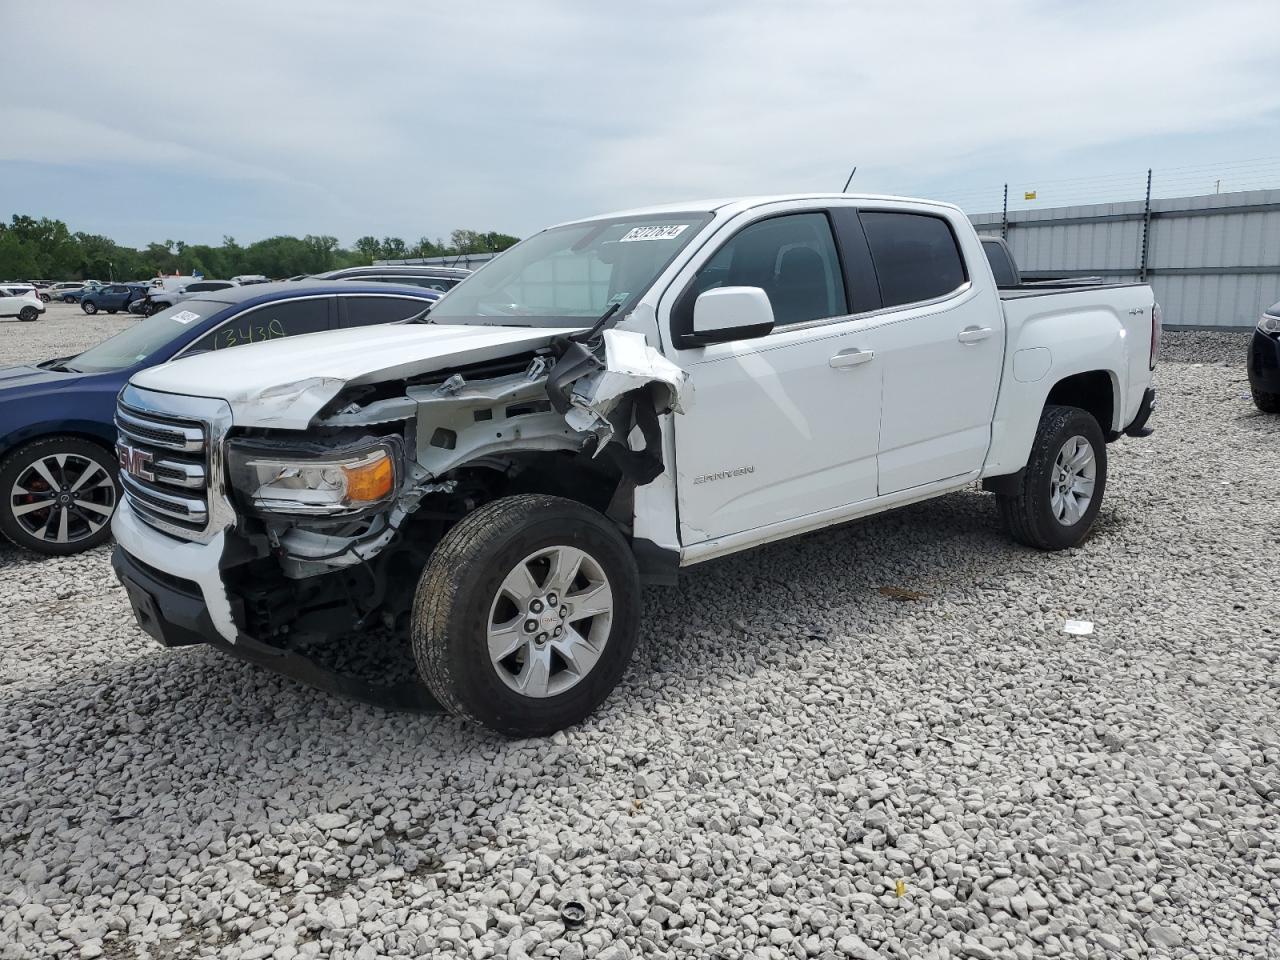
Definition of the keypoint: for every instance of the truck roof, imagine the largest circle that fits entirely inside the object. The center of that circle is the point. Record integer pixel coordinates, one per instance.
(735, 205)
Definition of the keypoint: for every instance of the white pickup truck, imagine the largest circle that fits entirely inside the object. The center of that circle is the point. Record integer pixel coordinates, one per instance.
(609, 401)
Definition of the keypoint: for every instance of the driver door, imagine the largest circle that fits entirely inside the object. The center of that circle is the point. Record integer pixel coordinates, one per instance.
(786, 424)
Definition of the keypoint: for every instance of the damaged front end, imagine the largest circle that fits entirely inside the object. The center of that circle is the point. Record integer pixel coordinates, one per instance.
(344, 522)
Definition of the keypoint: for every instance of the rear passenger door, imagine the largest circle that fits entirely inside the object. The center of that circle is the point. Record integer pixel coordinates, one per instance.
(369, 309)
(939, 343)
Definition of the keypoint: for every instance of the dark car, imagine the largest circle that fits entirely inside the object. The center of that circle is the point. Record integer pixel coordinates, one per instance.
(442, 279)
(57, 432)
(1264, 361)
(112, 298)
(158, 299)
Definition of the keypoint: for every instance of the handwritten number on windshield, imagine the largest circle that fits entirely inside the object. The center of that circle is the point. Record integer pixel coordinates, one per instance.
(250, 333)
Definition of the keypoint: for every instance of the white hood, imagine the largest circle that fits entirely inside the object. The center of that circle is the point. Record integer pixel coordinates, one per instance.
(283, 383)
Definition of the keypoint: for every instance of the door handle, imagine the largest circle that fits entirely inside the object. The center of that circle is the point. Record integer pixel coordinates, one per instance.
(973, 334)
(851, 358)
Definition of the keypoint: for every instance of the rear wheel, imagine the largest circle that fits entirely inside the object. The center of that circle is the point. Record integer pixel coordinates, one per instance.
(59, 494)
(1266, 402)
(44, 298)
(1062, 486)
(68, 299)
(526, 615)
(27, 314)
(89, 307)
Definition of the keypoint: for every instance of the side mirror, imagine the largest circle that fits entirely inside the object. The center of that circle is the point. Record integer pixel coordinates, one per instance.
(729, 313)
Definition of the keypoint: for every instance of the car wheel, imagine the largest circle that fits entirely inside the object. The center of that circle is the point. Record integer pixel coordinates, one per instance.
(59, 494)
(109, 310)
(1063, 483)
(68, 299)
(27, 314)
(1264, 401)
(526, 615)
(44, 298)
(89, 307)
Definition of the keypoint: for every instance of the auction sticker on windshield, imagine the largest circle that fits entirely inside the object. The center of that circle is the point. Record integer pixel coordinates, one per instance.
(185, 316)
(660, 232)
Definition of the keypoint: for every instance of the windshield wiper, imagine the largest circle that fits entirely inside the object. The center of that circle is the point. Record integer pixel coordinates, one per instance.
(586, 336)
(422, 316)
(59, 365)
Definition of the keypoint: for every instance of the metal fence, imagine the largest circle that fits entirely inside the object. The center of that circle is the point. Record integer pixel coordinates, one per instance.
(1213, 260)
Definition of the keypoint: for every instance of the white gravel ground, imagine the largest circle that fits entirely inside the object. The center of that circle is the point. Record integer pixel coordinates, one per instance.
(796, 766)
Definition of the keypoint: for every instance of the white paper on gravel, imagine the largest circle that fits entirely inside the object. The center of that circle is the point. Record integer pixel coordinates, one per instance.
(1079, 628)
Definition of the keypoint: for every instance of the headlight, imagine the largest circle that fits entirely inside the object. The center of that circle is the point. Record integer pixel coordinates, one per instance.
(1269, 324)
(328, 484)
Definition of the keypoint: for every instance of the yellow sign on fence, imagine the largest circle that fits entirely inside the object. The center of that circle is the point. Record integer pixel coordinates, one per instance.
(1029, 195)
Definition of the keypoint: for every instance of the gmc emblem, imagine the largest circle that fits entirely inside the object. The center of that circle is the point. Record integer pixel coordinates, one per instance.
(135, 462)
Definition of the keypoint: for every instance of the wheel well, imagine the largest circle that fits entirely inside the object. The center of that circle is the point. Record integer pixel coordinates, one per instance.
(1091, 392)
(9, 445)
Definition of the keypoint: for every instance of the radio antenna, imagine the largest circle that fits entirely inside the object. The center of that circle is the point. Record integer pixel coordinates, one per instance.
(850, 180)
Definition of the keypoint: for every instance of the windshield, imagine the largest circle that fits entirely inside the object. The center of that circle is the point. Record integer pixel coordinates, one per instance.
(137, 343)
(568, 276)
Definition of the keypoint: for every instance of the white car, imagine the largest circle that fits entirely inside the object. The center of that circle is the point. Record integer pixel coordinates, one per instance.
(21, 301)
(609, 402)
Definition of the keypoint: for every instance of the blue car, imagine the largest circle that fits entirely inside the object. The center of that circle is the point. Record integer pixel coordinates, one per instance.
(112, 298)
(57, 432)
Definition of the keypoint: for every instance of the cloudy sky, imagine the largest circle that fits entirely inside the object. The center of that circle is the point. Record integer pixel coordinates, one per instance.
(161, 120)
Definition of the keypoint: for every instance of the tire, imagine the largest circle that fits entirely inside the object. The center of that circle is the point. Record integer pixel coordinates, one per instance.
(1264, 401)
(68, 299)
(87, 515)
(464, 589)
(112, 312)
(89, 307)
(44, 298)
(27, 314)
(1033, 516)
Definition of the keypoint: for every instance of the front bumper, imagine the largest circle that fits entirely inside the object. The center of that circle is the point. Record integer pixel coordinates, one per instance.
(173, 612)
(1264, 363)
(195, 563)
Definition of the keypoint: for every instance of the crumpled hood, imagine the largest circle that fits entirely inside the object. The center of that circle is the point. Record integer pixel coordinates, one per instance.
(282, 384)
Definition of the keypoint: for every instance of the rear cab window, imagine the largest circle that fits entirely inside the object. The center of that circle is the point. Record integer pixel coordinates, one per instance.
(916, 256)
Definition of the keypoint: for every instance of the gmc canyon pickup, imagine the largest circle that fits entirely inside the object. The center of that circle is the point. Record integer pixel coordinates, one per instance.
(607, 402)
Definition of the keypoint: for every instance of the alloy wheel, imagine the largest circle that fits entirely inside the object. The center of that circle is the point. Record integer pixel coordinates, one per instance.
(550, 621)
(1072, 480)
(63, 498)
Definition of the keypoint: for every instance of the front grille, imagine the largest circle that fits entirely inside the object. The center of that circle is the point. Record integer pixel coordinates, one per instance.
(165, 469)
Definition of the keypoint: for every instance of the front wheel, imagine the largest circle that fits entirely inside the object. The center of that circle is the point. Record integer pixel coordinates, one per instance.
(89, 307)
(44, 298)
(59, 494)
(27, 314)
(526, 615)
(1266, 402)
(1062, 486)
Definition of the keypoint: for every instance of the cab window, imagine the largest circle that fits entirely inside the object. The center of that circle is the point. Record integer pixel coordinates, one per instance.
(792, 258)
(365, 311)
(916, 256)
(272, 321)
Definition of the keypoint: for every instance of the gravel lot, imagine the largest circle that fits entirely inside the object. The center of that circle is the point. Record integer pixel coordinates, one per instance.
(798, 765)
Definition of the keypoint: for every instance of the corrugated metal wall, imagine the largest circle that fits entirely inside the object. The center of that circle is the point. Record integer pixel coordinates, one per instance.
(1213, 260)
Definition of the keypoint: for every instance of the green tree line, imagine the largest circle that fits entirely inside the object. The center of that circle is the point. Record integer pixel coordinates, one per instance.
(46, 249)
